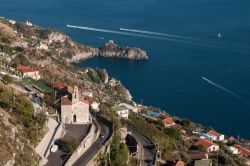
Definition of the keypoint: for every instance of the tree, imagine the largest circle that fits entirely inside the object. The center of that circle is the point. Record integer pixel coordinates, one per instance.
(8, 79)
(49, 99)
(20, 59)
(41, 118)
(71, 145)
(174, 133)
(185, 123)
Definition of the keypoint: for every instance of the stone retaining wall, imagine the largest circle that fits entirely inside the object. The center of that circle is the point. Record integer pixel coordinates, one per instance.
(44, 143)
(85, 144)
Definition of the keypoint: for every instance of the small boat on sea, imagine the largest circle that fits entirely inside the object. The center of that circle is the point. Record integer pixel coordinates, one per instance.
(219, 35)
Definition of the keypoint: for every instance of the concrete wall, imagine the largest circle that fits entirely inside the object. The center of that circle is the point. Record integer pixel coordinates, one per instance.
(57, 135)
(54, 133)
(105, 149)
(44, 143)
(85, 144)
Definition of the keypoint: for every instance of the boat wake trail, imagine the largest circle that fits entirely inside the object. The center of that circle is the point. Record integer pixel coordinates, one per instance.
(193, 40)
(225, 89)
(158, 34)
(111, 31)
(134, 34)
(163, 36)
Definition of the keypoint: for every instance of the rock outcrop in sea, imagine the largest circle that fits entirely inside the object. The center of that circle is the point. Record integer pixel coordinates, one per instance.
(110, 49)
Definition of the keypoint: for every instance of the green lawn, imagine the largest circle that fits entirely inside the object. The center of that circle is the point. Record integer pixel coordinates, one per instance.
(39, 84)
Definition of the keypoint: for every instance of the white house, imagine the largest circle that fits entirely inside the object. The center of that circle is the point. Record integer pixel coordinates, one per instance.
(122, 112)
(29, 72)
(208, 145)
(130, 107)
(233, 150)
(29, 23)
(95, 106)
(216, 136)
(12, 22)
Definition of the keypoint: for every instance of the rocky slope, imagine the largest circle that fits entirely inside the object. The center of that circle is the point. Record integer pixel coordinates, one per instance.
(26, 35)
(20, 128)
(51, 52)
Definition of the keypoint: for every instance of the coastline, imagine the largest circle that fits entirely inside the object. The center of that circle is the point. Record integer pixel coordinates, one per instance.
(110, 49)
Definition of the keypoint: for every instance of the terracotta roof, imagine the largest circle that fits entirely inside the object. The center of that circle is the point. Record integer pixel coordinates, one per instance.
(198, 156)
(214, 133)
(26, 69)
(90, 100)
(168, 121)
(242, 150)
(59, 85)
(205, 143)
(180, 163)
(231, 138)
(65, 101)
(84, 100)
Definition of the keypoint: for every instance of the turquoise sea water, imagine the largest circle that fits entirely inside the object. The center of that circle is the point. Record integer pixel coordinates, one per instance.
(172, 77)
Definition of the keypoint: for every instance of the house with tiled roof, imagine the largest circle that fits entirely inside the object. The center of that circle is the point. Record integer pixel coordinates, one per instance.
(74, 108)
(94, 105)
(29, 72)
(195, 155)
(59, 85)
(168, 122)
(122, 112)
(233, 150)
(216, 136)
(208, 145)
(242, 150)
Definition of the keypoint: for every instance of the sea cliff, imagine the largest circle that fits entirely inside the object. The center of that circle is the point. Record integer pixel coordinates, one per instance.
(29, 36)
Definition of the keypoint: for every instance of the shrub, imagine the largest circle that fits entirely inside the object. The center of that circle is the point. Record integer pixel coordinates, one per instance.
(71, 145)
(185, 122)
(8, 79)
(20, 59)
(173, 133)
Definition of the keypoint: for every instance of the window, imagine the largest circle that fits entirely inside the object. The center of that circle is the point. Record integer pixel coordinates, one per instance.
(74, 118)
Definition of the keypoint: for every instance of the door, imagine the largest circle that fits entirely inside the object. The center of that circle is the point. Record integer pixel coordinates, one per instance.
(74, 118)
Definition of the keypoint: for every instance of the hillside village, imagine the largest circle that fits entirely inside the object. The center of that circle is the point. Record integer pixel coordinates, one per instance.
(67, 107)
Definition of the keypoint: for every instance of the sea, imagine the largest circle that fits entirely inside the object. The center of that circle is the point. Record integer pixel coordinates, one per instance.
(199, 51)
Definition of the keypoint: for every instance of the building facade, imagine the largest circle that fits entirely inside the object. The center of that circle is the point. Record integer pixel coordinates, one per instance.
(29, 72)
(74, 108)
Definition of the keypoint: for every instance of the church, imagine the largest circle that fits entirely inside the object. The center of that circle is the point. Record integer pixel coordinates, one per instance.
(74, 108)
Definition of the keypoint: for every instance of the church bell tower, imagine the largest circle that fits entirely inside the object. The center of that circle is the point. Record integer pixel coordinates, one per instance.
(75, 95)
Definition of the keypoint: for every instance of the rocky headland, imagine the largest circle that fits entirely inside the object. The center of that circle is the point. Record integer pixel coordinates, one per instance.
(28, 36)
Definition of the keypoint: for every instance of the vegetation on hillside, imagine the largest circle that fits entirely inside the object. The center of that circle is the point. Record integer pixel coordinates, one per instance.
(21, 106)
(21, 131)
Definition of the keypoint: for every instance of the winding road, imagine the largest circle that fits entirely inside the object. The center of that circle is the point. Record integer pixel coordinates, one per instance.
(149, 149)
(106, 133)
